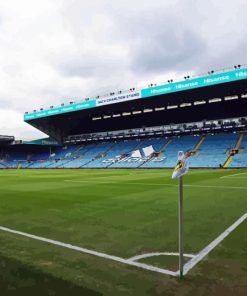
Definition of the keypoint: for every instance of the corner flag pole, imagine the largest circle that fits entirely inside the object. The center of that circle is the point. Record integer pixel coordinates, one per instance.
(181, 227)
(180, 169)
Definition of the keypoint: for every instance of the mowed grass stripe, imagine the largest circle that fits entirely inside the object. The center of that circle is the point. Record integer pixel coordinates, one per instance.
(95, 181)
(120, 219)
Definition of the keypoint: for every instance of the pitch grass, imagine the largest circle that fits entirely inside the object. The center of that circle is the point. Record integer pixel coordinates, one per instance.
(122, 213)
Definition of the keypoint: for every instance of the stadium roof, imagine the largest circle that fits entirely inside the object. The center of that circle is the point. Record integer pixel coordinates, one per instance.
(221, 95)
(44, 142)
(6, 139)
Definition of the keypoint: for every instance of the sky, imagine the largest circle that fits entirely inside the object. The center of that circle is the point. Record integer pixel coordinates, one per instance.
(55, 51)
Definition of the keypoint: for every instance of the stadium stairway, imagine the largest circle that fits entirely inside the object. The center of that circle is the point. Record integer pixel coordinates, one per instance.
(237, 145)
(161, 162)
(213, 150)
(73, 154)
(135, 162)
(75, 159)
(213, 153)
(125, 147)
(94, 153)
(83, 156)
(240, 160)
(3, 165)
(198, 145)
(103, 154)
(160, 150)
(163, 148)
(178, 144)
(78, 157)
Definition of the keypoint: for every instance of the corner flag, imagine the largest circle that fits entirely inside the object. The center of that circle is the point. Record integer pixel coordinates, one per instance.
(181, 167)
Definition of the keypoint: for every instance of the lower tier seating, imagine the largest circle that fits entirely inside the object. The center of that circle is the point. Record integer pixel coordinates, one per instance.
(208, 151)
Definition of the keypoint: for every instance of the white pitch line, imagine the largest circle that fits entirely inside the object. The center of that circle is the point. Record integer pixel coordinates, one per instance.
(229, 176)
(90, 181)
(147, 255)
(91, 252)
(238, 178)
(204, 252)
(211, 186)
(154, 184)
(9, 175)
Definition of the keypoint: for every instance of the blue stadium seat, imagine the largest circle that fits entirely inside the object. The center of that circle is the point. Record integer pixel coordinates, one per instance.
(118, 154)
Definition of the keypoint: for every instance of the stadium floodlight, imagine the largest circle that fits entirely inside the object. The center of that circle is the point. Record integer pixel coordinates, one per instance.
(215, 100)
(199, 102)
(231, 98)
(136, 112)
(172, 107)
(159, 109)
(185, 105)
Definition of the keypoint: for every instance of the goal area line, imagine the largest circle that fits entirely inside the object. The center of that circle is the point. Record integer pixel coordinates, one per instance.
(195, 259)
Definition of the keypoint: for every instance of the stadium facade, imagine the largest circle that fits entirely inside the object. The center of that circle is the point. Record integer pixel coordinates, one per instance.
(143, 127)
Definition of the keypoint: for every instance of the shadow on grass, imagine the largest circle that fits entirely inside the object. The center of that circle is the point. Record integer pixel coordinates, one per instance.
(19, 279)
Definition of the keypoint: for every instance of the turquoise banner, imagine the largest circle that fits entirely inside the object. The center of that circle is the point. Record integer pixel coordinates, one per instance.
(208, 80)
(44, 141)
(61, 110)
(195, 83)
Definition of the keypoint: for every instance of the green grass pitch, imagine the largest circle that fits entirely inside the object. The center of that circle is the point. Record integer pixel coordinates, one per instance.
(122, 213)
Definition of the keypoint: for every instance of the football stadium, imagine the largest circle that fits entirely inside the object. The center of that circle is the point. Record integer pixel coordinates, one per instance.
(92, 209)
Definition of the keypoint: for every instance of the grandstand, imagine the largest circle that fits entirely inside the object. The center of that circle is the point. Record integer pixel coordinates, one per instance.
(206, 115)
(212, 150)
(90, 206)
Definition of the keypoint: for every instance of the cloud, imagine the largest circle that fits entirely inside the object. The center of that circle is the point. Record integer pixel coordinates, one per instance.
(54, 51)
(12, 124)
(165, 51)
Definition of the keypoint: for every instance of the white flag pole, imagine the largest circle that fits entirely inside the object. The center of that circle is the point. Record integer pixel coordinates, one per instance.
(181, 227)
(181, 168)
